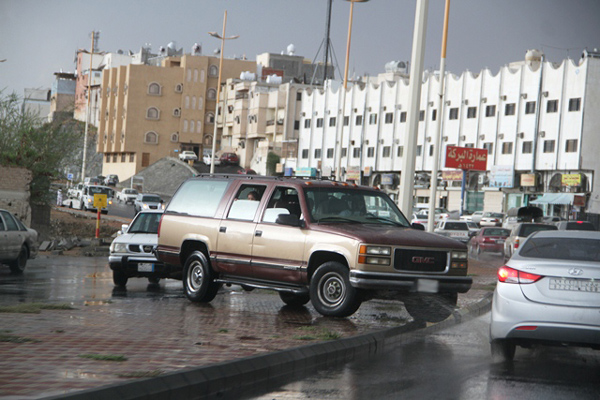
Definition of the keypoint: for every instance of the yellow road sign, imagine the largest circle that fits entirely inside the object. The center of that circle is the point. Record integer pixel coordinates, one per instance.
(100, 200)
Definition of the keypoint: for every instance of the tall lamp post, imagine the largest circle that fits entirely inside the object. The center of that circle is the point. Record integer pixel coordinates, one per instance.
(222, 38)
(340, 123)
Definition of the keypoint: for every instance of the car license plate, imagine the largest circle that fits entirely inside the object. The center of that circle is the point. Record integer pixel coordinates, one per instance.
(500, 241)
(427, 285)
(146, 267)
(575, 285)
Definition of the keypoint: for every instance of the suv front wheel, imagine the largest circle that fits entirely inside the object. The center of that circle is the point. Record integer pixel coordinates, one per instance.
(198, 280)
(331, 293)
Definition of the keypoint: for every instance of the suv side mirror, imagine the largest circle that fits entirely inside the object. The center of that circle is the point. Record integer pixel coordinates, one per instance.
(419, 227)
(288, 219)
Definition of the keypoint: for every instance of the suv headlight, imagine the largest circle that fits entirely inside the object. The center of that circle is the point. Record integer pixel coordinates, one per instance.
(374, 255)
(375, 250)
(459, 255)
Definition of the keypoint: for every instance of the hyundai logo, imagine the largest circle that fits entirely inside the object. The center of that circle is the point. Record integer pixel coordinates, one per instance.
(423, 260)
(575, 271)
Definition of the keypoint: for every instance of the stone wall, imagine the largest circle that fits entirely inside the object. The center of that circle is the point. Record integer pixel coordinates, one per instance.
(14, 192)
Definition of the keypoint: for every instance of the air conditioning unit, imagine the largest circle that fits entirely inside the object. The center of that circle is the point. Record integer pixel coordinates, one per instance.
(445, 138)
(481, 137)
(175, 137)
(465, 102)
(367, 141)
(177, 112)
(503, 97)
(542, 134)
(429, 139)
(448, 102)
(463, 138)
(520, 135)
(523, 95)
(179, 88)
(484, 99)
(303, 114)
(381, 141)
(545, 94)
(356, 110)
(398, 106)
(397, 141)
(501, 136)
(369, 109)
(431, 104)
(384, 108)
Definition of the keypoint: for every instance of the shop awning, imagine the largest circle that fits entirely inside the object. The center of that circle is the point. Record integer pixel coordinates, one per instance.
(554, 198)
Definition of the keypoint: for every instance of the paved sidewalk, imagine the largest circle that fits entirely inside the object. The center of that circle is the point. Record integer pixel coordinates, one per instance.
(157, 341)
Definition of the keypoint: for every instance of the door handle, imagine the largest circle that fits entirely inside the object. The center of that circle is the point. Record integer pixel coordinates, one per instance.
(223, 229)
(258, 233)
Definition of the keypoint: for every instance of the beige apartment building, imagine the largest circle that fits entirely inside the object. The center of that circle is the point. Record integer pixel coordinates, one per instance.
(150, 112)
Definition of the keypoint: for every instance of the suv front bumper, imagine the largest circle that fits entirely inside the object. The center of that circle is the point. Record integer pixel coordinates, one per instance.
(408, 283)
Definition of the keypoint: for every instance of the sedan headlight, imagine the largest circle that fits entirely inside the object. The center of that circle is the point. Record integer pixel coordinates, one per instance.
(118, 247)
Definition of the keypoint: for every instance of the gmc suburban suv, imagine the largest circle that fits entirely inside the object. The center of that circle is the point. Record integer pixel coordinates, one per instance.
(331, 243)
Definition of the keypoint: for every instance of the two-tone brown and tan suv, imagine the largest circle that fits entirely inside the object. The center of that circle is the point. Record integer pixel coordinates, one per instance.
(331, 243)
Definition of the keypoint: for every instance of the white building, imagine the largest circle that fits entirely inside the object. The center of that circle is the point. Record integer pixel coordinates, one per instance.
(537, 119)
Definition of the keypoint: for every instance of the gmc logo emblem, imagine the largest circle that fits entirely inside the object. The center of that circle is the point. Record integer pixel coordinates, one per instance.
(423, 260)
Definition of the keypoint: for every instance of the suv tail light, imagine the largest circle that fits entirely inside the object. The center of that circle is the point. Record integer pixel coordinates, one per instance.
(516, 243)
(511, 275)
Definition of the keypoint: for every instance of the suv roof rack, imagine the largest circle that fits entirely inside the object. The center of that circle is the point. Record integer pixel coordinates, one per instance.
(275, 178)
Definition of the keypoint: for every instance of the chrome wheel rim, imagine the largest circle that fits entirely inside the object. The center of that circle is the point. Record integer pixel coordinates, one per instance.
(195, 276)
(332, 289)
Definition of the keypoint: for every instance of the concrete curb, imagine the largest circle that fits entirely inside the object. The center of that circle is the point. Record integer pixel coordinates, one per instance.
(236, 378)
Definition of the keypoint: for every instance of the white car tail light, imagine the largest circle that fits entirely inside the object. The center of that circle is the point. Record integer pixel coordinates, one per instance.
(511, 275)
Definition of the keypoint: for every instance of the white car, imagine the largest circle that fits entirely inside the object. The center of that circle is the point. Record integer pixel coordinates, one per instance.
(147, 201)
(475, 217)
(206, 159)
(187, 155)
(127, 195)
(132, 252)
(17, 242)
(548, 293)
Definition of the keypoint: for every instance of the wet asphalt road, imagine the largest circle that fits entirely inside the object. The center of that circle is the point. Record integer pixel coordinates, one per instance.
(455, 364)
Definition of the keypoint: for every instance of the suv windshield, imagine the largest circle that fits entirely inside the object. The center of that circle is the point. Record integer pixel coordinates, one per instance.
(353, 206)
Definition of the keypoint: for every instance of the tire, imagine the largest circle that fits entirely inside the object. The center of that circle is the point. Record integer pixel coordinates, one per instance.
(294, 299)
(198, 281)
(431, 307)
(331, 293)
(17, 266)
(503, 350)
(153, 280)
(120, 278)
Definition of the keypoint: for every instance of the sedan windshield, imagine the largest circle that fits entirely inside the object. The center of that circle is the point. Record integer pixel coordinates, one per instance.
(145, 223)
(339, 205)
(562, 249)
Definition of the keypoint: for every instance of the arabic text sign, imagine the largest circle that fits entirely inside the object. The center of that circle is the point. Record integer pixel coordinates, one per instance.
(468, 158)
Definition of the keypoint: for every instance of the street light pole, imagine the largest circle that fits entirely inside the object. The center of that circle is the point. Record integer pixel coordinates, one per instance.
(340, 123)
(214, 139)
(87, 110)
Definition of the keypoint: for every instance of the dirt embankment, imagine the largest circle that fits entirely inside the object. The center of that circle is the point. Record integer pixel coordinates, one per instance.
(69, 223)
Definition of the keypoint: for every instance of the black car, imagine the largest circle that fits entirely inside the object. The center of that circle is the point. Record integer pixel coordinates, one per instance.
(575, 226)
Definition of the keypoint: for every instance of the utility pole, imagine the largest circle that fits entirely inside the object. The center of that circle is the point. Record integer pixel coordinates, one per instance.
(95, 37)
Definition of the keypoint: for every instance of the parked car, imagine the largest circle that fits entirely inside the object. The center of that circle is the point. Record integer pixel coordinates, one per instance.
(520, 232)
(548, 294)
(127, 195)
(488, 240)
(491, 219)
(229, 159)
(309, 240)
(456, 229)
(75, 191)
(207, 159)
(93, 181)
(575, 226)
(147, 201)
(132, 252)
(552, 219)
(111, 180)
(187, 155)
(17, 242)
(517, 215)
(420, 218)
(475, 217)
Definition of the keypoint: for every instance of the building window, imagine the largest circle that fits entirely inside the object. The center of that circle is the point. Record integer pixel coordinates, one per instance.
(319, 122)
(330, 152)
(490, 111)
(422, 115)
(298, 96)
(471, 112)
(527, 147)
(387, 151)
(344, 151)
(356, 152)
(152, 113)
(213, 71)
(317, 153)
(346, 120)
(192, 127)
(433, 115)
(123, 159)
(358, 120)
(453, 113)
(403, 117)
(108, 158)
(185, 125)
(307, 123)
(470, 145)
(296, 124)
(305, 153)
(419, 150)
(548, 146)
(370, 152)
(552, 106)
(154, 89)
(189, 74)
(389, 118)
(430, 150)
(509, 109)
(530, 107)
(507, 148)
(372, 119)
(571, 146)
(211, 94)
(193, 102)
(131, 157)
(174, 139)
(151, 137)
(195, 75)
(210, 118)
(177, 112)
(575, 104)
(331, 121)
(489, 147)
(200, 100)
(199, 127)
(400, 151)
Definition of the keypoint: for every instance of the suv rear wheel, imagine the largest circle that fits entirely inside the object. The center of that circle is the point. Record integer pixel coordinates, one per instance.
(331, 293)
(198, 280)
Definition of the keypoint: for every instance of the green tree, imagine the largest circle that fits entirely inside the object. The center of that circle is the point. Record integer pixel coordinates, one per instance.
(272, 161)
(41, 147)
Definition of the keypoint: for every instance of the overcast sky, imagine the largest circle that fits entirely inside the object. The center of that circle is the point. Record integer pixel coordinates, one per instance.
(40, 37)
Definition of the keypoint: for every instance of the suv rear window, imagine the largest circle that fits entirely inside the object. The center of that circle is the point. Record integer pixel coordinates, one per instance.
(527, 230)
(580, 226)
(562, 249)
(200, 198)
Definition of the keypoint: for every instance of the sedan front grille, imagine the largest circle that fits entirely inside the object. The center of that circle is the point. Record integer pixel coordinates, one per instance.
(421, 260)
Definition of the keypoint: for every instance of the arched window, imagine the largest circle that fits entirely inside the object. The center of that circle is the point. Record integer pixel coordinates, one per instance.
(213, 70)
(200, 102)
(175, 137)
(189, 74)
(187, 102)
(207, 140)
(202, 76)
(192, 126)
(152, 113)
(210, 118)
(154, 89)
(211, 94)
(193, 102)
(151, 137)
(199, 127)
(185, 125)
(195, 75)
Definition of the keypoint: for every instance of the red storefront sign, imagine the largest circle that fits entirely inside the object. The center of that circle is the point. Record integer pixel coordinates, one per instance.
(466, 158)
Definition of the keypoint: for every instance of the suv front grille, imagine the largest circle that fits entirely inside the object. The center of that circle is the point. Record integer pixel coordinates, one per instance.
(421, 260)
(136, 248)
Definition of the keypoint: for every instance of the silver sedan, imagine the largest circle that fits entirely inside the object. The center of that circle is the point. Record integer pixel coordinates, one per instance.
(548, 293)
